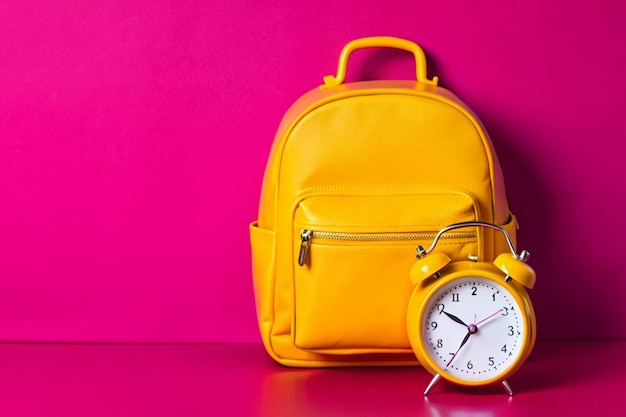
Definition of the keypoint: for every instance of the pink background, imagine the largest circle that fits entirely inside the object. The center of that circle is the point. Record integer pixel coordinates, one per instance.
(133, 138)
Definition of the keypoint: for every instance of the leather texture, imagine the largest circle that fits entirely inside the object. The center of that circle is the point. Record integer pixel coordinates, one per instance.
(371, 169)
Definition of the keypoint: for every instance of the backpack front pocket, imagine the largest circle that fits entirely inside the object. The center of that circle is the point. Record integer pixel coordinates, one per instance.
(352, 256)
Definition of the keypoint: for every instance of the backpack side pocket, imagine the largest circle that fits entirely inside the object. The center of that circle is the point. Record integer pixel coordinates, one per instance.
(262, 242)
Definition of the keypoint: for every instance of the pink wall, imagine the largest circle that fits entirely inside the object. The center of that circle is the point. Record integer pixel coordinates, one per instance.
(133, 138)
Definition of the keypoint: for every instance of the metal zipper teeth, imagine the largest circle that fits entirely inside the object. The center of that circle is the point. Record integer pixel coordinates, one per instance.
(307, 235)
(376, 237)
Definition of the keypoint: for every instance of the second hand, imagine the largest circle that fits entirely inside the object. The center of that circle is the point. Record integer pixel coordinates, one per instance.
(487, 318)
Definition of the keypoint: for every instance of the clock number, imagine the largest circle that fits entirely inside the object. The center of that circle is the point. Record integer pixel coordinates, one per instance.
(504, 349)
(505, 311)
(491, 361)
(470, 365)
(493, 297)
(440, 307)
(474, 289)
(511, 331)
(433, 325)
(439, 343)
(455, 297)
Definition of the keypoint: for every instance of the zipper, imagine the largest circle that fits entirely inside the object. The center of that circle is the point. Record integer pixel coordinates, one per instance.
(307, 235)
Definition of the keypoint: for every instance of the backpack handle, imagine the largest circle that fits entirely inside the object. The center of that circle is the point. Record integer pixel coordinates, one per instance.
(380, 42)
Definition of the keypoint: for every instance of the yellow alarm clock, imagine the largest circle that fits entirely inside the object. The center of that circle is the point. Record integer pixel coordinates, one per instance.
(470, 322)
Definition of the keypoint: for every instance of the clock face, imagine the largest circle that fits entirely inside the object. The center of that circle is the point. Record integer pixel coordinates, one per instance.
(473, 329)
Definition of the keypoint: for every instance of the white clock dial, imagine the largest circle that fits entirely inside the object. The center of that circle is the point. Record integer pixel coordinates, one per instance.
(473, 329)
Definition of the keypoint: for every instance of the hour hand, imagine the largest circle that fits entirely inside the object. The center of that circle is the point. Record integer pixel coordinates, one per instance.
(455, 318)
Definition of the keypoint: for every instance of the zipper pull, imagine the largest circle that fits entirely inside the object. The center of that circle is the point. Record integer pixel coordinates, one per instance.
(305, 242)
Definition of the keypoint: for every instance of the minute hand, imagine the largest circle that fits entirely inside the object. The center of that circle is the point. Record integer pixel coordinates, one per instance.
(465, 339)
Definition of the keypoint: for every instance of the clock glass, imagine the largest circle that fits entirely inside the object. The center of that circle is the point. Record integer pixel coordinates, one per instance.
(473, 329)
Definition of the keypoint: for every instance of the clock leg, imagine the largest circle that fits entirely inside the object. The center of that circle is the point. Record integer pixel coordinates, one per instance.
(507, 387)
(432, 383)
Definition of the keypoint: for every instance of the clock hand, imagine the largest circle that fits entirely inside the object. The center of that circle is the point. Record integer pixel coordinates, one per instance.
(465, 339)
(472, 328)
(488, 317)
(455, 318)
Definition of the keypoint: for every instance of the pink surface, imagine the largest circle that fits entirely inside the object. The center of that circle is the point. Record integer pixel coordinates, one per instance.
(240, 380)
(133, 138)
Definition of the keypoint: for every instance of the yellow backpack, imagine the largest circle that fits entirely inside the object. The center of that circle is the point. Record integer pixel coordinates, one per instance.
(360, 174)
